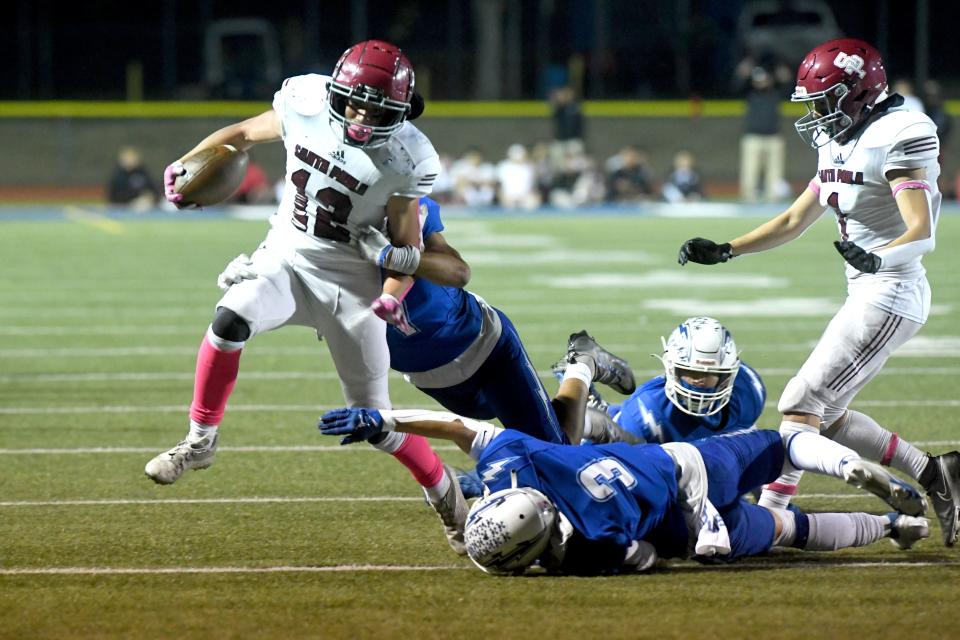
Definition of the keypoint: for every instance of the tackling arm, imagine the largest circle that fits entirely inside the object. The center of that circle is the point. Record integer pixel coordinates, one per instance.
(441, 264)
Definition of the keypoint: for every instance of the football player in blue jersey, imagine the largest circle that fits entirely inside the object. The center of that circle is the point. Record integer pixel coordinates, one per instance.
(457, 348)
(618, 507)
(705, 390)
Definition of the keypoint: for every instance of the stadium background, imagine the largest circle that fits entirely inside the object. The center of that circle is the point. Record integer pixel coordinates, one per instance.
(289, 535)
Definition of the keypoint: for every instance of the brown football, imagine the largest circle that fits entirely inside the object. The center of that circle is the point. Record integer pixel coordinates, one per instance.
(213, 174)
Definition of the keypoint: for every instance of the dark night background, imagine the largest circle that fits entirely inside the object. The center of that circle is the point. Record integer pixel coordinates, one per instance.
(630, 49)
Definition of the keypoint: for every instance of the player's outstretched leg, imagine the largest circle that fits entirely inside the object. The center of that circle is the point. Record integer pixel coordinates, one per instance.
(941, 479)
(607, 368)
(218, 363)
(833, 531)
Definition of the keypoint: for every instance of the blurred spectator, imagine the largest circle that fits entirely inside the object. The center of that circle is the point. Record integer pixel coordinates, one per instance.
(764, 82)
(628, 176)
(566, 169)
(130, 183)
(934, 107)
(474, 179)
(590, 186)
(567, 117)
(443, 187)
(255, 187)
(683, 184)
(517, 180)
(910, 100)
(540, 156)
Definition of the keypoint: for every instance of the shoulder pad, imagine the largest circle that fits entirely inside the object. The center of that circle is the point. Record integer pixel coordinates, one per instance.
(306, 95)
(899, 125)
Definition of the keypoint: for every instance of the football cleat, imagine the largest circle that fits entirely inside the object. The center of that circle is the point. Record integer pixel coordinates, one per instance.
(170, 465)
(452, 509)
(941, 479)
(905, 531)
(875, 479)
(603, 430)
(607, 368)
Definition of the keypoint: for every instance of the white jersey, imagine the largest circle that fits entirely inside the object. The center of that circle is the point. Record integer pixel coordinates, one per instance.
(852, 182)
(334, 189)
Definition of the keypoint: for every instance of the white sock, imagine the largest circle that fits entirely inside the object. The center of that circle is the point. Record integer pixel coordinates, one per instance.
(813, 452)
(579, 371)
(437, 491)
(864, 435)
(391, 441)
(832, 531)
(200, 431)
(776, 495)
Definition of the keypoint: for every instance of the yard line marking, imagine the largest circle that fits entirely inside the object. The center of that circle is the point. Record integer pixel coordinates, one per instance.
(162, 501)
(84, 571)
(140, 376)
(105, 502)
(773, 565)
(93, 219)
(172, 408)
(336, 448)
(308, 448)
(285, 408)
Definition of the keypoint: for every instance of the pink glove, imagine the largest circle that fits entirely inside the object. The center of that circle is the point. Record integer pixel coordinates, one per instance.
(170, 175)
(391, 311)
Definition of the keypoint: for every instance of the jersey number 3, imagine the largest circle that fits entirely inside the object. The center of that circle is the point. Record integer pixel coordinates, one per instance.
(598, 478)
(332, 211)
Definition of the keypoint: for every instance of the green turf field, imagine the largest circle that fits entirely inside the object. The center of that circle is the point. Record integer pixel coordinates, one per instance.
(289, 535)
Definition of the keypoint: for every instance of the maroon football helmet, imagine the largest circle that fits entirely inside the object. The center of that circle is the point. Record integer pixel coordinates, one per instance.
(839, 81)
(373, 75)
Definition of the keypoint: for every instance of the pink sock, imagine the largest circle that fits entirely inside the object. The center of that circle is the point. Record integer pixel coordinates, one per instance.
(215, 378)
(418, 456)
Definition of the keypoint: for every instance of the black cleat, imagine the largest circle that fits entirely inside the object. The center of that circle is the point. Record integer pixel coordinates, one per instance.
(607, 368)
(941, 479)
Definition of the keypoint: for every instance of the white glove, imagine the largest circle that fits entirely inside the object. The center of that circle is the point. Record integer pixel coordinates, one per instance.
(239, 269)
(376, 248)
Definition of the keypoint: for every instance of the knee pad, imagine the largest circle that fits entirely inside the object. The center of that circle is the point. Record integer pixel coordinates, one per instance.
(229, 326)
(798, 397)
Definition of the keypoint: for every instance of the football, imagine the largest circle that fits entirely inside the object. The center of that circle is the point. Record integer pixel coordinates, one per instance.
(212, 175)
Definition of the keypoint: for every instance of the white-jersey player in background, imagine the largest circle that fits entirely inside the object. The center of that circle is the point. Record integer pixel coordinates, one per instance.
(877, 172)
(352, 157)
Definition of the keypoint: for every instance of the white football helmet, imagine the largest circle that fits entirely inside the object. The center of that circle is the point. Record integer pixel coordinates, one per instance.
(700, 346)
(508, 530)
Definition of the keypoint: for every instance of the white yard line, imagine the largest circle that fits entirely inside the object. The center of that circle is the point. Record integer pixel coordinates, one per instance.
(289, 408)
(140, 376)
(377, 568)
(294, 449)
(308, 499)
(253, 449)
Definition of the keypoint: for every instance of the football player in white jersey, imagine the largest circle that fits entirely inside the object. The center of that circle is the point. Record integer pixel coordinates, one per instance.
(877, 172)
(352, 157)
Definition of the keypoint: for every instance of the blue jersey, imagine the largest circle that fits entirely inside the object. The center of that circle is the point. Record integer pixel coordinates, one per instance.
(612, 494)
(616, 493)
(650, 415)
(447, 320)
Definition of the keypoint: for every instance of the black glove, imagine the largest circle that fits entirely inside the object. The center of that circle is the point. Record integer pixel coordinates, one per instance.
(703, 251)
(860, 259)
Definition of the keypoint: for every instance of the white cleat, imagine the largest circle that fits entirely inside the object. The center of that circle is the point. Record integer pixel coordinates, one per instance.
(453, 509)
(170, 465)
(878, 481)
(906, 531)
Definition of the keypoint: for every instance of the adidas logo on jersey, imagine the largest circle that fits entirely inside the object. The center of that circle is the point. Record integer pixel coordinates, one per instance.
(339, 156)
